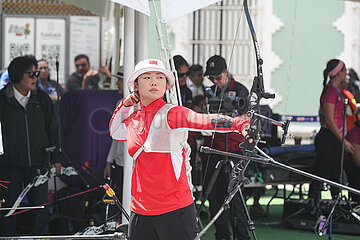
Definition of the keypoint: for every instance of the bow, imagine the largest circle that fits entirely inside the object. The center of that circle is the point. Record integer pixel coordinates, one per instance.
(257, 91)
(38, 180)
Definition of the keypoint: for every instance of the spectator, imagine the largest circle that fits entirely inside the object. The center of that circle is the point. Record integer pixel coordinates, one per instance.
(182, 68)
(328, 140)
(4, 79)
(354, 84)
(46, 84)
(224, 85)
(25, 141)
(195, 80)
(84, 77)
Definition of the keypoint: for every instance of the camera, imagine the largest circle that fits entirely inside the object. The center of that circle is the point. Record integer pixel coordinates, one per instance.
(229, 103)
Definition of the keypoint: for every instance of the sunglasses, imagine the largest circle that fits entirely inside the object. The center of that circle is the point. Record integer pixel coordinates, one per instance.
(213, 78)
(180, 75)
(33, 74)
(82, 65)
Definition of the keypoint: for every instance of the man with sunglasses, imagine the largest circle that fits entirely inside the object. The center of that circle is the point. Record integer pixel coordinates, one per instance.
(83, 77)
(28, 129)
(224, 86)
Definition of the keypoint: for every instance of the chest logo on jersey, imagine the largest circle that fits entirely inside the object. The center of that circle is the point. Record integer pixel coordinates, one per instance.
(232, 93)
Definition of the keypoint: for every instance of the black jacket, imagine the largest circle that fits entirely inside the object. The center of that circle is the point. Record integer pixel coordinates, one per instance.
(27, 132)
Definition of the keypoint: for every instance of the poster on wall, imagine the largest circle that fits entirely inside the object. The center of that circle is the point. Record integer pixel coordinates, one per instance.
(18, 38)
(50, 44)
(85, 39)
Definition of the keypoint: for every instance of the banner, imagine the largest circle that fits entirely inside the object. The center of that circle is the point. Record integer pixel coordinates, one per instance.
(50, 44)
(85, 39)
(18, 38)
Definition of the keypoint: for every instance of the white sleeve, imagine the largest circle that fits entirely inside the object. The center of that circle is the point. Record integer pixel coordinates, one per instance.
(117, 127)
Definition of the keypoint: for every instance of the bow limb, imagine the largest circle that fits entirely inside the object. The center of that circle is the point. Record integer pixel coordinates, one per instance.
(257, 90)
(38, 180)
(21, 196)
(259, 83)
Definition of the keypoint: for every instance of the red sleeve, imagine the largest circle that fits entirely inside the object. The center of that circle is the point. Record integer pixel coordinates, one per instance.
(184, 118)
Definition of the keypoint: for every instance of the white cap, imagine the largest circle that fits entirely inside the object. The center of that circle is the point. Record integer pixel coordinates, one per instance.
(151, 65)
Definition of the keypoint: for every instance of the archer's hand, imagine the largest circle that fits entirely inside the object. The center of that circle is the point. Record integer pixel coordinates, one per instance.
(245, 130)
(349, 147)
(57, 168)
(132, 99)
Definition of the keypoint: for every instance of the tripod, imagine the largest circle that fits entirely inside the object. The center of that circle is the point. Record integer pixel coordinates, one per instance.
(340, 196)
(234, 187)
(238, 179)
(56, 149)
(236, 207)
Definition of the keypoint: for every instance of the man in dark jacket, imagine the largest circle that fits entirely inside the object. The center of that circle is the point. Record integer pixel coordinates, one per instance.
(225, 88)
(28, 128)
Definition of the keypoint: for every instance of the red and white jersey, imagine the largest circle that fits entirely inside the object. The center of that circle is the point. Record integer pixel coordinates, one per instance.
(156, 135)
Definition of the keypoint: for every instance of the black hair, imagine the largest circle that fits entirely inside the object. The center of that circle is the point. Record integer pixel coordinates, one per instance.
(195, 68)
(18, 66)
(82, 56)
(179, 61)
(353, 75)
(198, 99)
(32, 57)
(329, 67)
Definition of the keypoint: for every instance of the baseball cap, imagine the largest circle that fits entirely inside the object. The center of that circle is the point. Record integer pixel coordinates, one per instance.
(151, 65)
(215, 65)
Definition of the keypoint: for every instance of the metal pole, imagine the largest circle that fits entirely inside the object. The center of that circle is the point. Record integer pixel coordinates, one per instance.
(116, 64)
(129, 50)
(142, 38)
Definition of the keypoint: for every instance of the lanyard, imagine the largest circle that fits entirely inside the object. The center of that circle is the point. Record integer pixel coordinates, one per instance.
(49, 90)
(226, 86)
(337, 90)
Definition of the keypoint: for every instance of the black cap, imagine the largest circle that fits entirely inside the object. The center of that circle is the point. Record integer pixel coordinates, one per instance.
(215, 66)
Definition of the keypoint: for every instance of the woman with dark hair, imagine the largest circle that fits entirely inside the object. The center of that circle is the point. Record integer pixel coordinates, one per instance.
(328, 140)
(28, 129)
(182, 69)
(161, 199)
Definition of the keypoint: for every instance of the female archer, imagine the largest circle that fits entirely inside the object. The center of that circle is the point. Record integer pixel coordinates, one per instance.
(161, 199)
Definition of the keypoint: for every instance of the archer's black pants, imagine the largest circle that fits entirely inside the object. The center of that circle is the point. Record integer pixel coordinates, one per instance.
(236, 214)
(175, 225)
(36, 196)
(328, 161)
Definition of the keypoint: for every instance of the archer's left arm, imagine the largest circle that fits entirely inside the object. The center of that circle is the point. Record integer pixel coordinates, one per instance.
(184, 118)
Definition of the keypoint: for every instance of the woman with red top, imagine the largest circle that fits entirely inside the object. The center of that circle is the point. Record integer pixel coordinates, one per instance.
(161, 199)
(328, 140)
